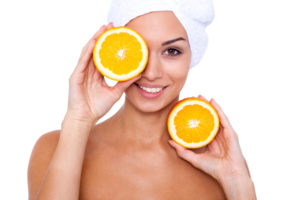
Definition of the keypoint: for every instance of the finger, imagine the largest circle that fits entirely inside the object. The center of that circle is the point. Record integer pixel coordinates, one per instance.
(184, 153)
(91, 71)
(220, 138)
(202, 97)
(110, 25)
(121, 86)
(247, 168)
(97, 75)
(217, 145)
(98, 33)
(200, 150)
(223, 118)
(229, 136)
(103, 81)
(87, 50)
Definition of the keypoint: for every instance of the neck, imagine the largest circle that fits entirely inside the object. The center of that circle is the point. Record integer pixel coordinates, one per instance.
(144, 129)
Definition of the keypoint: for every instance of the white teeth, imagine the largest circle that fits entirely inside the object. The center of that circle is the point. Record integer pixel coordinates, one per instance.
(153, 90)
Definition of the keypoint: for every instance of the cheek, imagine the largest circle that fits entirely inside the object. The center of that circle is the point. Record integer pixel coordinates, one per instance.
(178, 72)
(178, 68)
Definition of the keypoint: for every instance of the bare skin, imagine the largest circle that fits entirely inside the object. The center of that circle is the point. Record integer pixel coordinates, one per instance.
(114, 170)
(128, 156)
(139, 171)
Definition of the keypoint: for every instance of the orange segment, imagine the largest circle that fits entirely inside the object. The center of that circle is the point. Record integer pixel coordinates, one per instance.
(120, 53)
(193, 122)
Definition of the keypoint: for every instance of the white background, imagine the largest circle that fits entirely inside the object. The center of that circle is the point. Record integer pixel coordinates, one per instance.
(250, 68)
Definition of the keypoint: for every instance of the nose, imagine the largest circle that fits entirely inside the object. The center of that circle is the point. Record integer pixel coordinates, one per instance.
(153, 69)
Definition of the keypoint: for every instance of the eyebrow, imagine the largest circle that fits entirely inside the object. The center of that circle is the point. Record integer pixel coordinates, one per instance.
(171, 41)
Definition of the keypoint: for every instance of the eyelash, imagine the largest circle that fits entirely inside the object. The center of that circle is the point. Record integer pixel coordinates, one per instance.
(178, 52)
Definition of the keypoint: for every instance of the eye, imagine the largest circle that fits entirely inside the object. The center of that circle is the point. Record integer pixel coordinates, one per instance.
(173, 52)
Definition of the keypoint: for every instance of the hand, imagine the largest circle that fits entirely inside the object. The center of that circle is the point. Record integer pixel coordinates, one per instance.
(89, 95)
(220, 158)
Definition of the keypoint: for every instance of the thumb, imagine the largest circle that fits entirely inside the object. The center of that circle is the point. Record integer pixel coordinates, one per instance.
(123, 85)
(201, 161)
(184, 153)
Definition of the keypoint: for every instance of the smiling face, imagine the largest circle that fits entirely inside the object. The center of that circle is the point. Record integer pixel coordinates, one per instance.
(168, 61)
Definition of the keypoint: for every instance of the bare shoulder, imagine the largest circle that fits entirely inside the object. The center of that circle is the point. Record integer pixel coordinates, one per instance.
(39, 160)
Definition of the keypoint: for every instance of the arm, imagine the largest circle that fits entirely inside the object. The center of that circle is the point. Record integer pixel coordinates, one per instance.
(238, 187)
(223, 160)
(62, 178)
(90, 98)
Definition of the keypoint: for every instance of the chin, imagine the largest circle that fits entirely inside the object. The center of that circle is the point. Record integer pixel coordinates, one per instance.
(150, 107)
(147, 106)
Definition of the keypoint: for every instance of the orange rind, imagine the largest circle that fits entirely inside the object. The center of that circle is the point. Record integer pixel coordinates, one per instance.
(193, 122)
(120, 53)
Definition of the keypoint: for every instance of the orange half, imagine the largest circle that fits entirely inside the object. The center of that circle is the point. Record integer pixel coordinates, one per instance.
(193, 122)
(120, 53)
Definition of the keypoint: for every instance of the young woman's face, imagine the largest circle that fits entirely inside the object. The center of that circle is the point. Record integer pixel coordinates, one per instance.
(168, 62)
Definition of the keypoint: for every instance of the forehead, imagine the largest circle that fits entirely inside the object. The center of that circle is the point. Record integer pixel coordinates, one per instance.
(158, 26)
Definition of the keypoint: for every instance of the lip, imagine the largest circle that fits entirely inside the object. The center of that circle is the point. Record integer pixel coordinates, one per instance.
(150, 95)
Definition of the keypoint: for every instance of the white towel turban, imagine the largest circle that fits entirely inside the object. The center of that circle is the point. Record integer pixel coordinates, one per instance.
(194, 15)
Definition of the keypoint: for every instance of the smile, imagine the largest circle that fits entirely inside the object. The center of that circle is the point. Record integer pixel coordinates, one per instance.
(152, 92)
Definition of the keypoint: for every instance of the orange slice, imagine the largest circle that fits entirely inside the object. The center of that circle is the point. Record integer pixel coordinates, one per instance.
(120, 53)
(193, 122)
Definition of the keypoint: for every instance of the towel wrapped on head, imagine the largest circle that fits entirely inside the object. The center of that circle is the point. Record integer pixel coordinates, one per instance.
(194, 15)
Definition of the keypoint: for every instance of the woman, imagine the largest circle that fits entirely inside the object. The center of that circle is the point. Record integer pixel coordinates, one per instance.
(130, 156)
